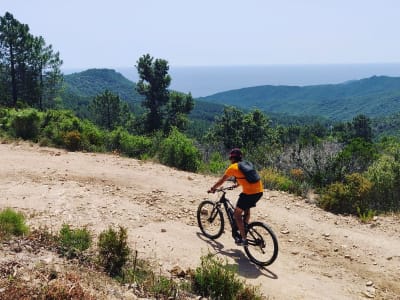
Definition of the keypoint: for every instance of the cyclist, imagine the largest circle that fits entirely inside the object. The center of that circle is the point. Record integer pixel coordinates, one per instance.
(251, 193)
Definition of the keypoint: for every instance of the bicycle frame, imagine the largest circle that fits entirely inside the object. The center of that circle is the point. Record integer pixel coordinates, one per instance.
(228, 206)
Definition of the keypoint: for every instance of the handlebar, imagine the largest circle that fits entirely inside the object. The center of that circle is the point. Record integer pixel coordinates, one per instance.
(222, 189)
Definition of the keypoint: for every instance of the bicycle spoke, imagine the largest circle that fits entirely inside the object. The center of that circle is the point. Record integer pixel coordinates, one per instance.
(210, 219)
(263, 246)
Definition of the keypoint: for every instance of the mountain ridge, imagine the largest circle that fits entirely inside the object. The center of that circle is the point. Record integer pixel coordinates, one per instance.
(373, 96)
(376, 96)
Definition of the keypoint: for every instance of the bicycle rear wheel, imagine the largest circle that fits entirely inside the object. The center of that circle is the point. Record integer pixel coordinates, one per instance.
(210, 219)
(262, 246)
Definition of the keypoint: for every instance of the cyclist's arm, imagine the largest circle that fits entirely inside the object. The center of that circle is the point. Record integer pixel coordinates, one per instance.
(218, 183)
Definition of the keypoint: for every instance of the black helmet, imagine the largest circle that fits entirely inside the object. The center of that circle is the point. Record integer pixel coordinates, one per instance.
(236, 154)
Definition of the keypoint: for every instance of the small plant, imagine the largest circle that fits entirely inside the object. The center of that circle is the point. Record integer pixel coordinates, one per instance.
(12, 223)
(113, 250)
(218, 280)
(73, 241)
(165, 287)
(366, 216)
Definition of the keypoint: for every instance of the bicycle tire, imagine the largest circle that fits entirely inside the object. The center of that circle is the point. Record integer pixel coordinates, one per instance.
(210, 219)
(262, 248)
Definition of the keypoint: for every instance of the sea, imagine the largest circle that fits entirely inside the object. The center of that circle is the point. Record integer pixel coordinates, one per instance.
(203, 81)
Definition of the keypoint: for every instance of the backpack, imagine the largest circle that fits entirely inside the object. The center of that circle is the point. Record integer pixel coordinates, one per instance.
(249, 172)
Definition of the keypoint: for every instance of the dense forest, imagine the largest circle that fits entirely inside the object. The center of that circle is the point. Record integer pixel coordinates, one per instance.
(373, 97)
(340, 140)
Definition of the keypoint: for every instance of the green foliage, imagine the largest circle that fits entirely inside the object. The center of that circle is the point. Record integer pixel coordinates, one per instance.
(178, 107)
(355, 157)
(56, 124)
(25, 124)
(12, 223)
(237, 129)
(130, 145)
(92, 138)
(153, 85)
(350, 197)
(217, 163)
(72, 140)
(217, 280)
(384, 173)
(73, 241)
(179, 151)
(275, 180)
(107, 110)
(366, 216)
(29, 67)
(113, 250)
(164, 287)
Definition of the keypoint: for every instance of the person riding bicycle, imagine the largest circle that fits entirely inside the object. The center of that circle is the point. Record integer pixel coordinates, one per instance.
(251, 193)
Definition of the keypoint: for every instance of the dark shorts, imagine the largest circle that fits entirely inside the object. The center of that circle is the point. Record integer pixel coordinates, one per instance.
(248, 201)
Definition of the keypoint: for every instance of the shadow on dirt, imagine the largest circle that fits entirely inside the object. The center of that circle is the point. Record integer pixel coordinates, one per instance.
(245, 267)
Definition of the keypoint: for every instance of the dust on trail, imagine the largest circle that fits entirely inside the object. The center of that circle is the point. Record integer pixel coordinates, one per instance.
(321, 255)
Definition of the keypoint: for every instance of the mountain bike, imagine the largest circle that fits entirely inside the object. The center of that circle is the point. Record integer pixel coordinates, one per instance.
(262, 248)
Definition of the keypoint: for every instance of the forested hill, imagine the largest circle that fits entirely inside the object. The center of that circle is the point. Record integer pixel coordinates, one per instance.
(94, 81)
(374, 97)
(80, 88)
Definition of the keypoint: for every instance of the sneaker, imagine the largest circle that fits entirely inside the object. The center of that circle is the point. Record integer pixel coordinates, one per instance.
(241, 242)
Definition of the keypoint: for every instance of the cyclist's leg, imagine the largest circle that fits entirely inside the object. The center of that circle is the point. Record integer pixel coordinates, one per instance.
(247, 216)
(244, 203)
(239, 221)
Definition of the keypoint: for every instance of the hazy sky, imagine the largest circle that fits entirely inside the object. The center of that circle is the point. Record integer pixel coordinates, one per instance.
(115, 33)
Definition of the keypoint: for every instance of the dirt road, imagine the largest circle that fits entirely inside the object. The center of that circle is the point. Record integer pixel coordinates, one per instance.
(322, 256)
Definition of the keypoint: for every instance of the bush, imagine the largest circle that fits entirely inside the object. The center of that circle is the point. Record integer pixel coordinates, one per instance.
(113, 250)
(25, 124)
(72, 140)
(73, 241)
(385, 176)
(57, 123)
(92, 138)
(178, 151)
(130, 145)
(217, 280)
(164, 287)
(12, 223)
(217, 164)
(274, 180)
(350, 197)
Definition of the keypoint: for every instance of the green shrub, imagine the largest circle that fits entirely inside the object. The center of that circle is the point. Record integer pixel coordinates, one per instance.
(56, 123)
(366, 216)
(217, 280)
(93, 138)
(5, 116)
(384, 173)
(178, 151)
(12, 223)
(73, 241)
(26, 123)
(274, 180)
(134, 145)
(164, 288)
(72, 140)
(113, 250)
(217, 163)
(350, 197)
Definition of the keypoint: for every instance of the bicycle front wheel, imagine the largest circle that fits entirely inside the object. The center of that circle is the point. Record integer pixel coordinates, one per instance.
(262, 246)
(210, 219)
